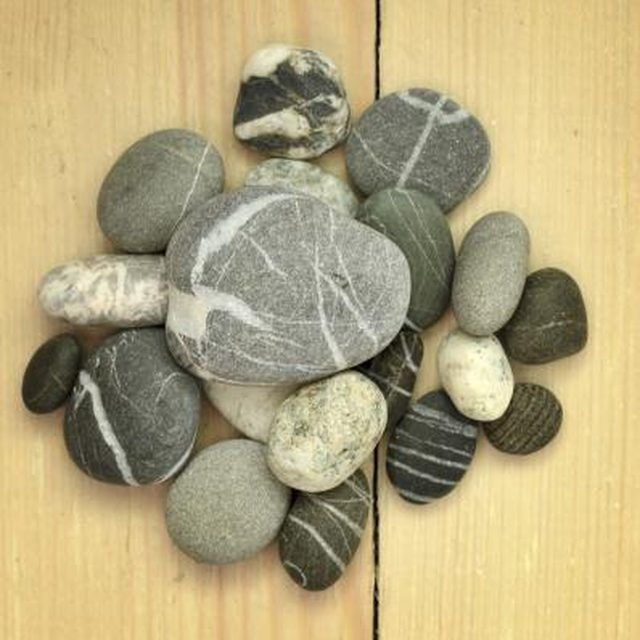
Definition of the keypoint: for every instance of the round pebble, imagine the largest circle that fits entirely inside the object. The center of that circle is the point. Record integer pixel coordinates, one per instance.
(322, 532)
(476, 375)
(226, 505)
(153, 184)
(51, 373)
(490, 273)
(291, 103)
(419, 139)
(532, 420)
(133, 415)
(322, 433)
(550, 321)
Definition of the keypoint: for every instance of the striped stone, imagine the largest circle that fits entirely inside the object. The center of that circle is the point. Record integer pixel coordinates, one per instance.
(532, 420)
(430, 450)
(322, 532)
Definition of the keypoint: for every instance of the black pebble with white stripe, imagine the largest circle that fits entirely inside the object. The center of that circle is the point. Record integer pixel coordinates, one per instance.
(431, 449)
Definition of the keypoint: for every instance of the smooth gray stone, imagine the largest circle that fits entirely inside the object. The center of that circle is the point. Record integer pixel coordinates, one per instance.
(226, 505)
(153, 184)
(133, 416)
(291, 103)
(322, 532)
(419, 139)
(490, 273)
(274, 287)
(414, 222)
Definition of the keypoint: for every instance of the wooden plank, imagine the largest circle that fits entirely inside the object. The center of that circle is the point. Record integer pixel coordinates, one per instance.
(545, 547)
(79, 81)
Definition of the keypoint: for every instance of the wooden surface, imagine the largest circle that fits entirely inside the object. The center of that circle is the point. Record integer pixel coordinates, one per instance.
(541, 548)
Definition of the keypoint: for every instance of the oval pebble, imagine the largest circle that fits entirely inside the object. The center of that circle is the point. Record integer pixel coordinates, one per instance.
(291, 103)
(226, 505)
(324, 431)
(532, 420)
(115, 290)
(153, 184)
(419, 139)
(51, 373)
(322, 532)
(550, 321)
(490, 273)
(133, 416)
(430, 450)
(476, 375)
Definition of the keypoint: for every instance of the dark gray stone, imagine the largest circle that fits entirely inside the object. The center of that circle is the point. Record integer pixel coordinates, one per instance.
(51, 373)
(153, 184)
(272, 287)
(431, 449)
(419, 139)
(490, 273)
(226, 505)
(415, 223)
(133, 415)
(322, 532)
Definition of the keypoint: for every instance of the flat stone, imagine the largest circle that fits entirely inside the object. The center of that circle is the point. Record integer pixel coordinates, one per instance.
(226, 505)
(532, 420)
(550, 322)
(291, 103)
(419, 139)
(490, 273)
(308, 178)
(322, 532)
(431, 449)
(476, 375)
(153, 184)
(133, 416)
(115, 290)
(51, 373)
(274, 287)
(394, 370)
(249, 409)
(322, 433)
(415, 223)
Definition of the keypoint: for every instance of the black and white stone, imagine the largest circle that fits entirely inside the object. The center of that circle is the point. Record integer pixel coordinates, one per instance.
(431, 449)
(115, 290)
(291, 103)
(153, 184)
(133, 415)
(419, 139)
(274, 287)
(322, 532)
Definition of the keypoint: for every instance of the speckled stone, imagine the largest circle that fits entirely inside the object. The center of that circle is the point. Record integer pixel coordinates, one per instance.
(133, 415)
(322, 433)
(226, 505)
(419, 139)
(322, 532)
(415, 223)
(308, 178)
(490, 273)
(153, 184)
(115, 290)
(532, 420)
(394, 370)
(51, 373)
(248, 408)
(274, 287)
(550, 321)
(476, 375)
(291, 103)
(431, 449)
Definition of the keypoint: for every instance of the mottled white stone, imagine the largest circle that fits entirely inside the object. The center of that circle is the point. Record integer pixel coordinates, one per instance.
(116, 290)
(476, 374)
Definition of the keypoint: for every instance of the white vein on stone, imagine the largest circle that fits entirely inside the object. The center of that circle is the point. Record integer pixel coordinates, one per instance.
(425, 456)
(443, 421)
(298, 570)
(192, 188)
(420, 474)
(458, 115)
(431, 443)
(407, 354)
(412, 495)
(314, 533)
(394, 387)
(354, 526)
